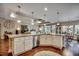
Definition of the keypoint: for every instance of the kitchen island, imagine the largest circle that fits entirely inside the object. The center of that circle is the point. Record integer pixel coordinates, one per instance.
(21, 43)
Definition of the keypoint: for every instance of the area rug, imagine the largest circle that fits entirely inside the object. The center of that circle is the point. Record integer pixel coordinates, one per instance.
(46, 53)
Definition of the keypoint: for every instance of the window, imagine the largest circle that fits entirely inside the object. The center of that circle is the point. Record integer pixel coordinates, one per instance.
(67, 29)
(76, 29)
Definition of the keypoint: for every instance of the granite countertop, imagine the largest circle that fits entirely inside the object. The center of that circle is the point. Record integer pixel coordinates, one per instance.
(20, 35)
(26, 35)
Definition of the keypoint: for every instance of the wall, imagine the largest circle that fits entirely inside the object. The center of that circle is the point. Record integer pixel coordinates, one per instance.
(3, 29)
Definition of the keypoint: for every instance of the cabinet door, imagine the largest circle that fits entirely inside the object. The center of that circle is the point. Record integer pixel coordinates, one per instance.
(57, 41)
(28, 43)
(18, 45)
(43, 40)
(48, 40)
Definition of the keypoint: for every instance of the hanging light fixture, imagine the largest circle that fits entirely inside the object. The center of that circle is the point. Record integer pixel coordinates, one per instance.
(44, 18)
(18, 21)
(58, 18)
(44, 15)
(19, 7)
(32, 19)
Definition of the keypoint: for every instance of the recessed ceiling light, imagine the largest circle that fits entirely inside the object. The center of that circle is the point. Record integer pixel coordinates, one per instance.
(18, 21)
(45, 9)
(12, 15)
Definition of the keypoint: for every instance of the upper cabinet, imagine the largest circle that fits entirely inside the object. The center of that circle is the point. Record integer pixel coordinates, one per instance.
(45, 29)
(53, 29)
(51, 40)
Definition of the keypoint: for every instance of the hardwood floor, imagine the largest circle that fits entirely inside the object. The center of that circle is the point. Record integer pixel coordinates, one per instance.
(41, 48)
(4, 46)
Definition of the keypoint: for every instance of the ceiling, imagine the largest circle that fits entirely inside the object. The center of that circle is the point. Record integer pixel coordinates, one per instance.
(68, 11)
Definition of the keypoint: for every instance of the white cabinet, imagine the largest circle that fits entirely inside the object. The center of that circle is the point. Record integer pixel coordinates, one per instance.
(46, 40)
(22, 44)
(57, 41)
(42, 40)
(51, 40)
(18, 45)
(28, 43)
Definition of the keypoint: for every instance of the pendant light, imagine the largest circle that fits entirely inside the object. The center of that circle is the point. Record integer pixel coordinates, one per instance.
(32, 19)
(19, 7)
(18, 21)
(44, 18)
(58, 18)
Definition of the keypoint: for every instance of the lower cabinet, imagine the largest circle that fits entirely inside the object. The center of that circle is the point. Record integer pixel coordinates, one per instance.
(42, 39)
(57, 41)
(28, 43)
(51, 40)
(46, 40)
(18, 45)
(22, 44)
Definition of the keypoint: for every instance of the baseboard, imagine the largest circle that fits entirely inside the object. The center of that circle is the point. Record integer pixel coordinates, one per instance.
(52, 47)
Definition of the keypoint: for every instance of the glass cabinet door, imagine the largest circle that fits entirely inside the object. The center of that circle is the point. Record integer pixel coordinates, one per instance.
(53, 29)
(47, 29)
